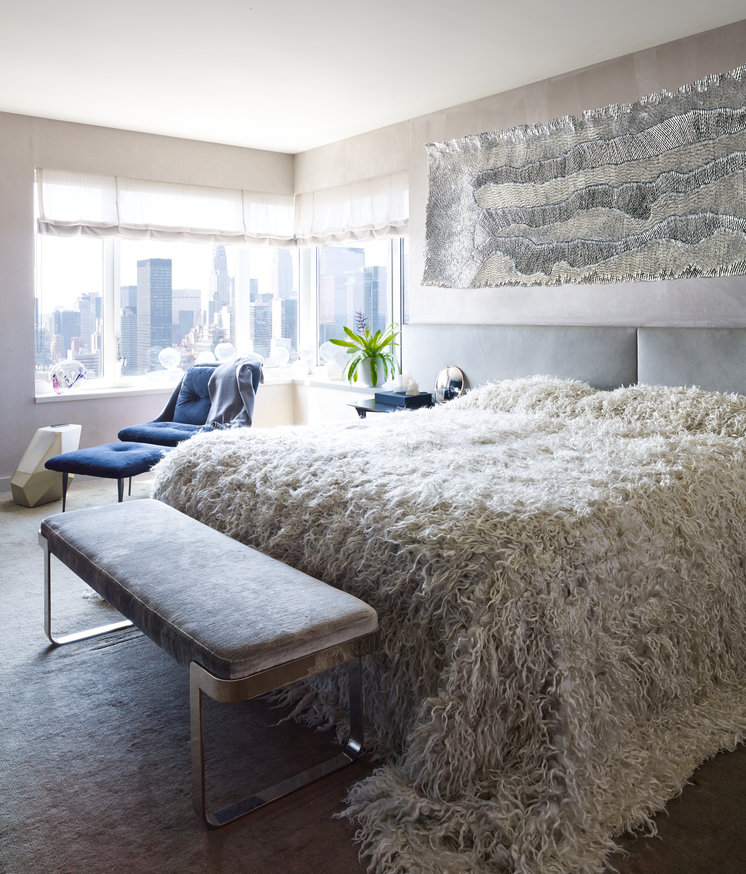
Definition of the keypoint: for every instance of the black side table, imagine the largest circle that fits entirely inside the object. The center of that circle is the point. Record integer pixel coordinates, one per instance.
(371, 405)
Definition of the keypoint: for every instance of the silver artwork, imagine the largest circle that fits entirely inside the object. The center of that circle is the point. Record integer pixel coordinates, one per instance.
(650, 190)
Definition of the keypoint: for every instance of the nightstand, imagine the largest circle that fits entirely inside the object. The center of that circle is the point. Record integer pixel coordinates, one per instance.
(371, 405)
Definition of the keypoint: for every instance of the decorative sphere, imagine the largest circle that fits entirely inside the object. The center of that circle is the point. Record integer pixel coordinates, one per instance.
(279, 357)
(169, 357)
(225, 352)
(331, 354)
(65, 374)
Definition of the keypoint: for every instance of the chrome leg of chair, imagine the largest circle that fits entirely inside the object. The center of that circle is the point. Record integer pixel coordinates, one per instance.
(129, 489)
(120, 489)
(78, 635)
(199, 679)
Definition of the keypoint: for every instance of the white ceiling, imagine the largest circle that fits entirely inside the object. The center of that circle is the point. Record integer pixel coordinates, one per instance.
(289, 75)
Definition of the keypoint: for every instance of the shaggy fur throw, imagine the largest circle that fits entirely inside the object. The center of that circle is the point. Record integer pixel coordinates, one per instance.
(559, 578)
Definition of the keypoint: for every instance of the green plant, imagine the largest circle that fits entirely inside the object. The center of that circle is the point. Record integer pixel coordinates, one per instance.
(364, 345)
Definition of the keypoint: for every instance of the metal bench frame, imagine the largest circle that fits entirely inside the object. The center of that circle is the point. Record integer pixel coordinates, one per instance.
(202, 682)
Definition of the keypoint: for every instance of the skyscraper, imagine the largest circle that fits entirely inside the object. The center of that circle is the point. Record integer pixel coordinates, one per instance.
(186, 306)
(128, 329)
(341, 291)
(154, 308)
(66, 326)
(222, 281)
(261, 325)
(284, 274)
(90, 321)
(221, 305)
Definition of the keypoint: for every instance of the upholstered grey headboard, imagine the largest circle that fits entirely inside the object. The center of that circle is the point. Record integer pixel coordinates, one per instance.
(710, 358)
(606, 357)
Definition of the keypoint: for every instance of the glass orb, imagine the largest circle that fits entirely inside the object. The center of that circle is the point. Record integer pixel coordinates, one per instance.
(225, 352)
(169, 357)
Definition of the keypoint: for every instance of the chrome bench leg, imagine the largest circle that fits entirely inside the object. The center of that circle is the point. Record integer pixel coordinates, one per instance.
(201, 682)
(78, 635)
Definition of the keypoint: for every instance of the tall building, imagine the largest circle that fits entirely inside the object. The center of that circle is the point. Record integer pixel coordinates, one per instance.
(128, 329)
(154, 308)
(375, 294)
(66, 326)
(221, 295)
(285, 324)
(341, 291)
(221, 305)
(285, 274)
(186, 311)
(89, 306)
(43, 339)
(261, 325)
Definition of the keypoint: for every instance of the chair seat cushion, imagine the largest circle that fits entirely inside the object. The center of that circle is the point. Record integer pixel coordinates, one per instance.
(112, 460)
(160, 433)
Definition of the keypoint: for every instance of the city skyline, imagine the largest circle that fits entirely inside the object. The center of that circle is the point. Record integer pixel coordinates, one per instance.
(247, 297)
(154, 314)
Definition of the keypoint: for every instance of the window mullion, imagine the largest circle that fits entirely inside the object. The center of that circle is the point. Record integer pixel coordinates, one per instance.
(110, 309)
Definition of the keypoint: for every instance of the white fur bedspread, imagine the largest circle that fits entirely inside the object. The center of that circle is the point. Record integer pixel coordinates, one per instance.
(559, 578)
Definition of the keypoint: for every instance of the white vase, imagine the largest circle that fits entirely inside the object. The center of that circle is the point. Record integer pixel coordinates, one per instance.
(364, 377)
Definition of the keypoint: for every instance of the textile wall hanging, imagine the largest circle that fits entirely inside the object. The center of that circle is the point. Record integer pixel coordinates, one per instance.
(650, 190)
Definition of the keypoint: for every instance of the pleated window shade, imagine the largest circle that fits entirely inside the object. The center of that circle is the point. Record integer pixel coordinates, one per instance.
(365, 210)
(71, 204)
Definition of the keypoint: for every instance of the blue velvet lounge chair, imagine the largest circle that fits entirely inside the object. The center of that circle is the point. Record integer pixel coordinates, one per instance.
(183, 416)
(208, 396)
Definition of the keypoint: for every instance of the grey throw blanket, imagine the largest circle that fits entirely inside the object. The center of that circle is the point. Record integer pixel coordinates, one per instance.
(233, 387)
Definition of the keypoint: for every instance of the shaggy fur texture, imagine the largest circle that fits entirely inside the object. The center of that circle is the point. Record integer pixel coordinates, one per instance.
(559, 577)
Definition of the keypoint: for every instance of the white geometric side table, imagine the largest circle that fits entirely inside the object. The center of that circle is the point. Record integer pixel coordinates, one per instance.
(32, 484)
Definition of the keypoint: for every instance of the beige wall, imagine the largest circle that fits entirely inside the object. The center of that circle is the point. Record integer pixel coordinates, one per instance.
(29, 142)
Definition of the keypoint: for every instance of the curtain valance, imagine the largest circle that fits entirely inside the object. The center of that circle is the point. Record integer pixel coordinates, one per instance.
(360, 211)
(71, 203)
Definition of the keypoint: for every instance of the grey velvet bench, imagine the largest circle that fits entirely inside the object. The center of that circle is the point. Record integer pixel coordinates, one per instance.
(244, 623)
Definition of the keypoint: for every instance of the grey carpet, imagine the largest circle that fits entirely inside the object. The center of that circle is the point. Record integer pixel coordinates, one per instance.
(94, 754)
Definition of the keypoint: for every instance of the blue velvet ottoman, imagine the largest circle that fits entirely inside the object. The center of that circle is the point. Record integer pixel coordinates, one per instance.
(117, 461)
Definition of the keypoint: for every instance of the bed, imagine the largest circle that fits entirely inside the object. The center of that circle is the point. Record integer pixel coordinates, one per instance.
(558, 570)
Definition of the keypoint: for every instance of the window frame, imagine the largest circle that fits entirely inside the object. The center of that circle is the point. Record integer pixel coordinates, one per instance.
(308, 267)
(395, 291)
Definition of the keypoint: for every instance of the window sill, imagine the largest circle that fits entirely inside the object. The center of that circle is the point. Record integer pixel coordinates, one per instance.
(316, 379)
(95, 394)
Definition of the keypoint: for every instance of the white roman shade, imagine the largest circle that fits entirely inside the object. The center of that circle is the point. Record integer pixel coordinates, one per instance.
(364, 210)
(77, 203)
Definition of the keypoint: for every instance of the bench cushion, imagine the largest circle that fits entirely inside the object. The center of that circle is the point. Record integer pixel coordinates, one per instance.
(199, 594)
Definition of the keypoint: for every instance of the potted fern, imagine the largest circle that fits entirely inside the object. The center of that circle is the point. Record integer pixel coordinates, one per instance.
(370, 353)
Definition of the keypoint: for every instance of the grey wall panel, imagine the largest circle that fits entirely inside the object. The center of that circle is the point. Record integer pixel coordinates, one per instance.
(710, 358)
(606, 357)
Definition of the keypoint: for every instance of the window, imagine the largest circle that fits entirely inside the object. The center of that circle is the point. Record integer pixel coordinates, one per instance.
(139, 279)
(358, 282)
(128, 310)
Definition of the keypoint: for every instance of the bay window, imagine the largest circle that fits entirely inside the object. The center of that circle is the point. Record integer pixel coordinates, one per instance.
(137, 280)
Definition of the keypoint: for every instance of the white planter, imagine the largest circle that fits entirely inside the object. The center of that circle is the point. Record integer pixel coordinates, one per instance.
(364, 377)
